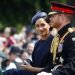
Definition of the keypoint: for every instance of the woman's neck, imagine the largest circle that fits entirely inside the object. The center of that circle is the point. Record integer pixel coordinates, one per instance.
(45, 37)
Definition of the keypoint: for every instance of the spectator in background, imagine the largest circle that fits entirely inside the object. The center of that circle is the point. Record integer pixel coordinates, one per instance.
(2, 58)
(25, 57)
(18, 39)
(11, 41)
(35, 36)
(7, 31)
(13, 58)
(29, 49)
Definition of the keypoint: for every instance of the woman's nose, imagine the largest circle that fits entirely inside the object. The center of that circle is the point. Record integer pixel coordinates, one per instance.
(41, 28)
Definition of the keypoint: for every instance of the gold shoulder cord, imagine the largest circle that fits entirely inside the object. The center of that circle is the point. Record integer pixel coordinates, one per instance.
(54, 46)
(56, 42)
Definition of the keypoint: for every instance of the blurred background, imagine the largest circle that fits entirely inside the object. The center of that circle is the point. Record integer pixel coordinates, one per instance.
(17, 35)
(18, 13)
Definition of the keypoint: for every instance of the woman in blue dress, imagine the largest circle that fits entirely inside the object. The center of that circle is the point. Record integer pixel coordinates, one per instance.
(41, 55)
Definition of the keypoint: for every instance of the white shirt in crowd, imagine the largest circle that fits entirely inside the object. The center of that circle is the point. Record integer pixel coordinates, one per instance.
(11, 66)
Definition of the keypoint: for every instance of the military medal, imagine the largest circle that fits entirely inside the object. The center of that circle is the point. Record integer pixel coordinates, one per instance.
(60, 47)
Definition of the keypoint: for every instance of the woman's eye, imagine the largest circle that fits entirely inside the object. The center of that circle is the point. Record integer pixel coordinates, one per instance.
(37, 26)
(42, 25)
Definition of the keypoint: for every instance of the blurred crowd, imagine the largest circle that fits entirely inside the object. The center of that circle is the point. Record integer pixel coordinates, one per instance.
(16, 48)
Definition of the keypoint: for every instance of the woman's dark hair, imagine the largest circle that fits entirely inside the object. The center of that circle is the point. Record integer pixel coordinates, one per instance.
(47, 19)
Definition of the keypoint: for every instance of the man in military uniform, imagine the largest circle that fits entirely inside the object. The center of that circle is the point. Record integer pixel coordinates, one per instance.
(63, 44)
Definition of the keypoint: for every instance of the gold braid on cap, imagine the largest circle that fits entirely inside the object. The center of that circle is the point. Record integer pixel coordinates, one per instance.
(56, 42)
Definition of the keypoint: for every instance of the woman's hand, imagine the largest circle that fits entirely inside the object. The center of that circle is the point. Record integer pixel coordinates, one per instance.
(31, 68)
(26, 67)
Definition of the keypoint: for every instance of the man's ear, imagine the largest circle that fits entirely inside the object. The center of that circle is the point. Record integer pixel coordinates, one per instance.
(61, 18)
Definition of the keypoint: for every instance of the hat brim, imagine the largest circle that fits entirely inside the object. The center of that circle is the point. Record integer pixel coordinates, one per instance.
(37, 16)
(52, 13)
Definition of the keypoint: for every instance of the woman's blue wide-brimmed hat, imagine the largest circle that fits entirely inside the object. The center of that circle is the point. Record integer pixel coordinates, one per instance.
(37, 16)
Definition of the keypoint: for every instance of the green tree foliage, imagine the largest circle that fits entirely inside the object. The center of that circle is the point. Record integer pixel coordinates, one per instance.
(19, 12)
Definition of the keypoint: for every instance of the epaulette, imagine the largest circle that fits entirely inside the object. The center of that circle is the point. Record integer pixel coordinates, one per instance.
(70, 30)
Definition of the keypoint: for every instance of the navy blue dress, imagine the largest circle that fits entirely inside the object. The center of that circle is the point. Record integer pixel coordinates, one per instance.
(41, 58)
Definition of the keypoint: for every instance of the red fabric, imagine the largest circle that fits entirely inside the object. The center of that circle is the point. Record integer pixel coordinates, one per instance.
(62, 7)
(11, 40)
(66, 10)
